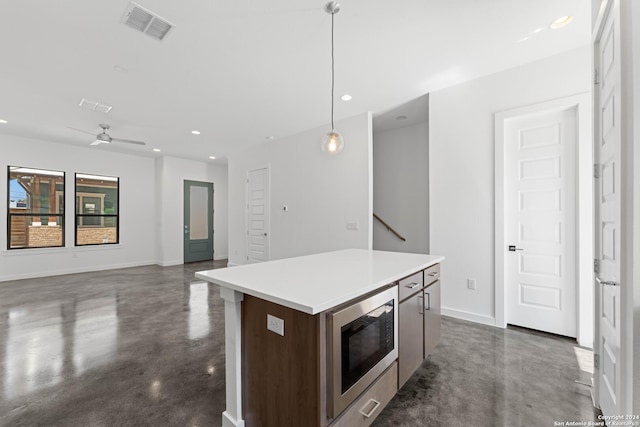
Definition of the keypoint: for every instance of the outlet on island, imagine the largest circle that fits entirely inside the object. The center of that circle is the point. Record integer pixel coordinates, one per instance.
(471, 284)
(275, 324)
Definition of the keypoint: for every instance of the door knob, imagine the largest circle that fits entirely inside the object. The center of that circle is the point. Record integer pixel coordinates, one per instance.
(512, 248)
(265, 234)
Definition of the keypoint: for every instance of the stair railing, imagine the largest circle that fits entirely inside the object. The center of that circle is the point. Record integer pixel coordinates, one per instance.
(389, 227)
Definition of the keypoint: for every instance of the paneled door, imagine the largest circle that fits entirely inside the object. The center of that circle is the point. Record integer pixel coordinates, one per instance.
(258, 215)
(540, 220)
(198, 221)
(607, 151)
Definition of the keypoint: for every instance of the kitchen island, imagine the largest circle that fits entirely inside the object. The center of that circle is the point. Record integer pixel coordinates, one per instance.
(276, 310)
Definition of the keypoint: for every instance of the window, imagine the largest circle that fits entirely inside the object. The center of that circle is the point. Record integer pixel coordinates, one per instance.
(35, 217)
(97, 217)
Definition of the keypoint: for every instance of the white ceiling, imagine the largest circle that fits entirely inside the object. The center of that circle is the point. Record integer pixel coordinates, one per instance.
(239, 71)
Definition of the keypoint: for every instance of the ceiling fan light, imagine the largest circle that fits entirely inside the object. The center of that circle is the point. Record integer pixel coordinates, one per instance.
(332, 143)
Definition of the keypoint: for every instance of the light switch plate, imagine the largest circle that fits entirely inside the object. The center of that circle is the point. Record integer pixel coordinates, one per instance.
(471, 284)
(353, 226)
(275, 324)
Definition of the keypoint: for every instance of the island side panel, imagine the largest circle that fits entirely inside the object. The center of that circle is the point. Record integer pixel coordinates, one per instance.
(280, 374)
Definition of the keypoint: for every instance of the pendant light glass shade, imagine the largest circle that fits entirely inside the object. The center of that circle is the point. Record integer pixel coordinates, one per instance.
(332, 143)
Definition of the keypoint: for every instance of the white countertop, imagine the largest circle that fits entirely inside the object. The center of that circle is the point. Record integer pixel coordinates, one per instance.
(315, 283)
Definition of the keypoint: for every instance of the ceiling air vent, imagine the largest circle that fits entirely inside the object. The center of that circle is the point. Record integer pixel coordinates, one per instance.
(141, 19)
(95, 106)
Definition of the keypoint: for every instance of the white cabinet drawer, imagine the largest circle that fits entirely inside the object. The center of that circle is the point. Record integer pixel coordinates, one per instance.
(368, 406)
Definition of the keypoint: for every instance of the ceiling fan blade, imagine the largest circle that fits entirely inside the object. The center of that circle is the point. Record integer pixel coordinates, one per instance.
(128, 141)
(83, 131)
(96, 142)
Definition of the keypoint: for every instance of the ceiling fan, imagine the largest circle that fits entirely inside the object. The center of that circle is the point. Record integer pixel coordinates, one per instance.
(104, 138)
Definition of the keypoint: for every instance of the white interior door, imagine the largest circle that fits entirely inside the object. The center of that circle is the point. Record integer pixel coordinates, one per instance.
(608, 213)
(540, 221)
(258, 215)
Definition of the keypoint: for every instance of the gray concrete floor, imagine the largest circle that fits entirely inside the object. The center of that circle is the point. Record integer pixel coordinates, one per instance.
(145, 347)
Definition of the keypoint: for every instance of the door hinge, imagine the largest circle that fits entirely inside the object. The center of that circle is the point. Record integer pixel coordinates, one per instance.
(595, 77)
(596, 360)
(596, 266)
(596, 170)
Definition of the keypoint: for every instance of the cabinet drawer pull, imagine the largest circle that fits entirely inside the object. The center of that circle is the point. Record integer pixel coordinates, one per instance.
(420, 304)
(372, 410)
(428, 306)
(412, 285)
(433, 274)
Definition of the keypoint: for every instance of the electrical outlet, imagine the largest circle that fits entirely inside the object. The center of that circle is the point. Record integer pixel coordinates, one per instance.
(353, 226)
(471, 284)
(275, 324)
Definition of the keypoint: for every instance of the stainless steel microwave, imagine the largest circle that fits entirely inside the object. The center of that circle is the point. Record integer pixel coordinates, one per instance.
(362, 343)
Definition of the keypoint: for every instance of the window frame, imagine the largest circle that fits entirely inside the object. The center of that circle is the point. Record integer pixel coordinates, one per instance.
(61, 207)
(79, 195)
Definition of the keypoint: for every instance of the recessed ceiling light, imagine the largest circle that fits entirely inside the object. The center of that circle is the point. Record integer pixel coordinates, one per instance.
(195, 132)
(157, 150)
(212, 157)
(401, 117)
(561, 22)
(4, 122)
(346, 97)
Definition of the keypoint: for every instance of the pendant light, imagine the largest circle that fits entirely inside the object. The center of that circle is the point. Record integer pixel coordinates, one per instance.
(332, 143)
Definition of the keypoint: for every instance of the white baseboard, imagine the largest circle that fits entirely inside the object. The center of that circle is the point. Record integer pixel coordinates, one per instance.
(229, 421)
(231, 264)
(219, 257)
(85, 269)
(472, 317)
(169, 263)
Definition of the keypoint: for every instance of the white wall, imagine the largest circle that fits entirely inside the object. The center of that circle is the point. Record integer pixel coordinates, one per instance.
(151, 208)
(461, 170)
(171, 174)
(401, 188)
(219, 176)
(137, 199)
(323, 193)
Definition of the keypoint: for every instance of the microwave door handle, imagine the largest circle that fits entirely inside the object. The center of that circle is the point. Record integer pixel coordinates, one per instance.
(420, 304)
(375, 406)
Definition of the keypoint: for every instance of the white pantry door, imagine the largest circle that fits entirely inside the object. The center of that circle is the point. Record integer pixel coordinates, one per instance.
(540, 221)
(608, 212)
(258, 215)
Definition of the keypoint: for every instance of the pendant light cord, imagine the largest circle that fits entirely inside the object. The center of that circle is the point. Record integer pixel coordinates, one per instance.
(333, 72)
